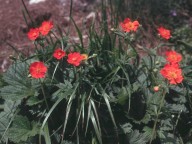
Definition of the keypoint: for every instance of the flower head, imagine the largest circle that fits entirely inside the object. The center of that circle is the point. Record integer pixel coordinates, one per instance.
(173, 57)
(173, 73)
(85, 56)
(45, 27)
(33, 33)
(74, 58)
(128, 26)
(59, 53)
(38, 70)
(165, 33)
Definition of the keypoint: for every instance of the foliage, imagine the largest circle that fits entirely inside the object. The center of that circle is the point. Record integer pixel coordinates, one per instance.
(106, 97)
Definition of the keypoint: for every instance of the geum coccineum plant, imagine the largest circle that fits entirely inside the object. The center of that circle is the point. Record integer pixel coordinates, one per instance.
(104, 93)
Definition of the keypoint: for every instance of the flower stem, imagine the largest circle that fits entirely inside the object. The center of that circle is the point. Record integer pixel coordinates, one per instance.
(43, 91)
(158, 113)
(27, 12)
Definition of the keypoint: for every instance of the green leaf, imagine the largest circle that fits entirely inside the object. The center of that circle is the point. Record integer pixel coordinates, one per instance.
(22, 129)
(79, 33)
(148, 131)
(46, 134)
(96, 127)
(63, 88)
(72, 95)
(123, 95)
(33, 101)
(176, 107)
(168, 138)
(166, 125)
(127, 128)
(189, 142)
(187, 45)
(138, 138)
(6, 117)
(105, 96)
(19, 85)
(66, 142)
(16, 92)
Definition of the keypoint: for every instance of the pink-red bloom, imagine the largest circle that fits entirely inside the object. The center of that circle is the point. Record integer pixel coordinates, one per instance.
(33, 33)
(59, 54)
(173, 56)
(37, 70)
(173, 73)
(165, 33)
(127, 25)
(45, 27)
(74, 58)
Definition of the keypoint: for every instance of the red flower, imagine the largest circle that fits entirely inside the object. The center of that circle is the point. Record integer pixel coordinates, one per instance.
(45, 27)
(33, 33)
(38, 70)
(59, 53)
(173, 57)
(173, 73)
(165, 33)
(128, 26)
(74, 58)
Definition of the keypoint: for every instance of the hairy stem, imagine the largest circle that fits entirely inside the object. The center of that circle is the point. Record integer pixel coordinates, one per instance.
(43, 91)
(158, 113)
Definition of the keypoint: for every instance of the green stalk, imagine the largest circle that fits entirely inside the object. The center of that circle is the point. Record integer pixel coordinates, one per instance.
(158, 113)
(27, 11)
(43, 91)
(137, 55)
(51, 38)
(46, 134)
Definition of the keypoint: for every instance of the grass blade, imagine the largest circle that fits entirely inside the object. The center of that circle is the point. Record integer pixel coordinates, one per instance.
(96, 127)
(79, 34)
(109, 108)
(68, 110)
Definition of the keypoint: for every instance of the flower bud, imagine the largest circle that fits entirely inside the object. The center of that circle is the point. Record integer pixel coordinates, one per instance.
(155, 70)
(156, 88)
(112, 29)
(156, 62)
(85, 56)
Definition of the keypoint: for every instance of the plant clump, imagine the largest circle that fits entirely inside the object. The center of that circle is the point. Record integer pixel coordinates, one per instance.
(104, 92)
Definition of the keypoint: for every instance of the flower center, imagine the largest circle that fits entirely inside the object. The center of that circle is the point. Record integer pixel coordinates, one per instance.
(173, 75)
(38, 70)
(130, 25)
(74, 59)
(173, 57)
(164, 32)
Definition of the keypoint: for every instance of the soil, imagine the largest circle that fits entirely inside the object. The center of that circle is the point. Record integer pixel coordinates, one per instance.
(13, 28)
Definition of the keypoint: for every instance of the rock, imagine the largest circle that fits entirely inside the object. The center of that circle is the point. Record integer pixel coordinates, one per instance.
(35, 1)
